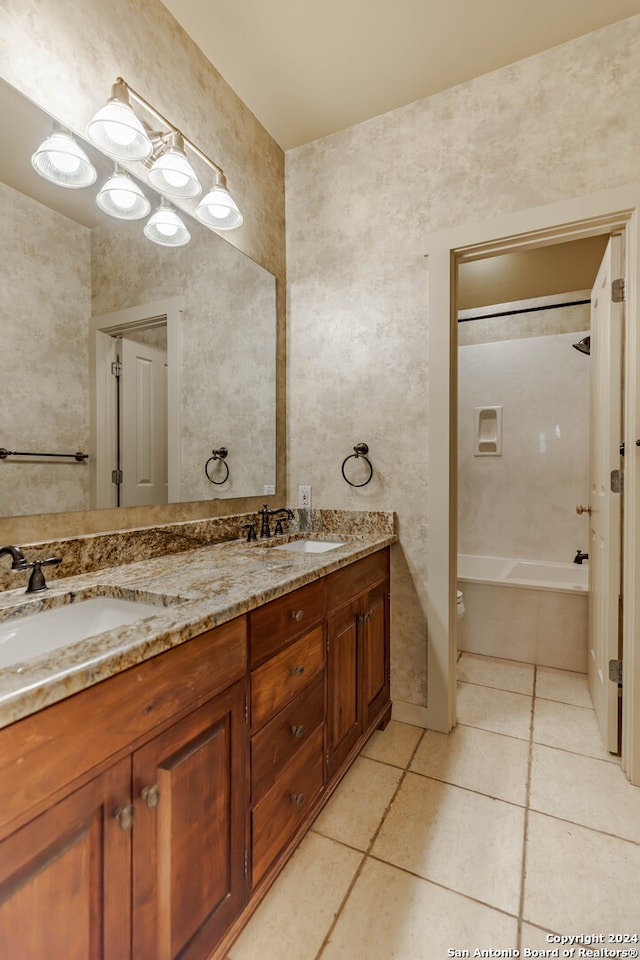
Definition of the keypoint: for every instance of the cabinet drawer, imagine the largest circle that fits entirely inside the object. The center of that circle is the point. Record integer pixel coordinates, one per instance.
(345, 584)
(280, 679)
(284, 736)
(279, 621)
(278, 814)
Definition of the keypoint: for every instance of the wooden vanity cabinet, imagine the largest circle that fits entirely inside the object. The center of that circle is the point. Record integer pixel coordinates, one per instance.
(145, 817)
(358, 671)
(137, 790)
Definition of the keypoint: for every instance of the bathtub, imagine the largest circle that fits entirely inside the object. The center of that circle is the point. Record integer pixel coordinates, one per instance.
(529, 610)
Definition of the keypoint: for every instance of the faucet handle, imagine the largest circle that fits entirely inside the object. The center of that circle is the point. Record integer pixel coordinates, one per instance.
(36, 580)
(251, 531)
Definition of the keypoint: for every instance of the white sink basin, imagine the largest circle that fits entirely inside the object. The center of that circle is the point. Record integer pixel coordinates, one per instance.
(310, 546)
(23, 638)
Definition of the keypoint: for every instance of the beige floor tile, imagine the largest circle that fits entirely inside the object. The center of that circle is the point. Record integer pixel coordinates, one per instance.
(563, 685)
(298, 911)
(393, 745)
(390, 914)
(462, 840)
(584, 790)
(580, 880)
(497, 710)
(354, 811)
(492, 672)
(570, 728)
(476, 759)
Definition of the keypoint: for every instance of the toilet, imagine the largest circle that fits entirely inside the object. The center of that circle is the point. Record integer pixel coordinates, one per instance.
(461, 637)
(460, 604)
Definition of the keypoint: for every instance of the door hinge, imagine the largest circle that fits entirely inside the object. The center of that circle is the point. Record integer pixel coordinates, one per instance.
(116, 368)
(617, 481)
(619, 290)
(246, 862)
(615, 671)
(116, 476)
(246, 709)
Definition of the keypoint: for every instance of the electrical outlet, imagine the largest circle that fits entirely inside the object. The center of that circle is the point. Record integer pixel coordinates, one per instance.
(304, 497)
(268, 489)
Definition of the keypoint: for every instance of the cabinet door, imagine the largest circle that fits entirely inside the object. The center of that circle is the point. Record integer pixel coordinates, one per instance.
(376, 669)
(189, 850)
(344, 697)
(65, 877)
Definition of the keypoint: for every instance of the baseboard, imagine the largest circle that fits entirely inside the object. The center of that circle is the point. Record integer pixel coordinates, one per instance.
(412, 713)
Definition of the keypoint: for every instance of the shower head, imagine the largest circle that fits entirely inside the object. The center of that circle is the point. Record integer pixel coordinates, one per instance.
(584, 345)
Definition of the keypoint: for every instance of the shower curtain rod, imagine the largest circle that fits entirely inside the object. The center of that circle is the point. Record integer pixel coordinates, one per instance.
(511, 313)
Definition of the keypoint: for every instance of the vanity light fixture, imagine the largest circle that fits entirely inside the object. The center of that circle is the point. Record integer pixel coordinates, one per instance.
(165, 227)
(217, 208)
(171, 173)
(116, 129)
(63, 161)
(165, 152)
(121, 197)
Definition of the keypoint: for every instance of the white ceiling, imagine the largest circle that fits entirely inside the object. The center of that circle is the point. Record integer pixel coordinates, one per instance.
(308, 68)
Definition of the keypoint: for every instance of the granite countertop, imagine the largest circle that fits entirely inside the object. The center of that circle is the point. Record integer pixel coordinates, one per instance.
(194, 591)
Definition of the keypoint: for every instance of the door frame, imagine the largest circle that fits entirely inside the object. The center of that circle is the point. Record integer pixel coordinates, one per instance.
(101, 331)
(613, 210)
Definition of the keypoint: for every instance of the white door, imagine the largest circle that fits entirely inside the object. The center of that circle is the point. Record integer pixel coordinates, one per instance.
(605, 545)
(143, 424)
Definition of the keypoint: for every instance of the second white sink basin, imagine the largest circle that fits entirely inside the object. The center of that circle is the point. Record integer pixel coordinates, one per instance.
(23, 638)
(310, 546)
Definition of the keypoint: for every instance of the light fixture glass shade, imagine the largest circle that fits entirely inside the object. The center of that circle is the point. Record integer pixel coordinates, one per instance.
(172, 173)
(166, 228)
(63, 161)
(116, 129)
(121, 197)
(218, 209)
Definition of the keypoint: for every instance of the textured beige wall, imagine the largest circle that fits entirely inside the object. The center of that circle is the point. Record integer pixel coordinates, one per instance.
(45, 305)
(360, 205)
(65, 56)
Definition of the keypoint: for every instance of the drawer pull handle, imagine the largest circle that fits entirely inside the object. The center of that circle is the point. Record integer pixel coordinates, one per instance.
(297, 731)
(151, 796)
(297, 615)
(298, 799)
(124, 816)
(297, 669)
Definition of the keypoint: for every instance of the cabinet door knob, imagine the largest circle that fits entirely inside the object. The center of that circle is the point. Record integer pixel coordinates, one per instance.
(151, 795)
(297, 731)
(124, 816)
(298, 799)
(297, 615)
(297, 669)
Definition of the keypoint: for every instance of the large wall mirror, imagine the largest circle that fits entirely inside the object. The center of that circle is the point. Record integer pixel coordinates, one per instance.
(149, 359)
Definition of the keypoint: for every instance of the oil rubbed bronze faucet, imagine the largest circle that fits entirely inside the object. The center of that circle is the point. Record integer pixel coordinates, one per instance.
(265, 513)
(19, 562)
(580, 557)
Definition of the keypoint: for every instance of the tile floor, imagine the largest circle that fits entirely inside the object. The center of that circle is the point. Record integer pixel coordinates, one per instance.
(516, 825)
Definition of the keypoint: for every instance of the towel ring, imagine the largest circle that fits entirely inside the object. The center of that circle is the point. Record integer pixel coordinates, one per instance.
(220, 456)
(359, 451)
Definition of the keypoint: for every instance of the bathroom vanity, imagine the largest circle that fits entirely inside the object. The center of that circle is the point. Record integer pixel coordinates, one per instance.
(145, 815)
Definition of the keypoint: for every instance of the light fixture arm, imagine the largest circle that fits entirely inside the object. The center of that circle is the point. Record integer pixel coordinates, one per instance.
(217, 169)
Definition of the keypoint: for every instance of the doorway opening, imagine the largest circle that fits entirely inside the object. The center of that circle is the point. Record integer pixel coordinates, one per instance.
(611, 211)
(525, 454)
